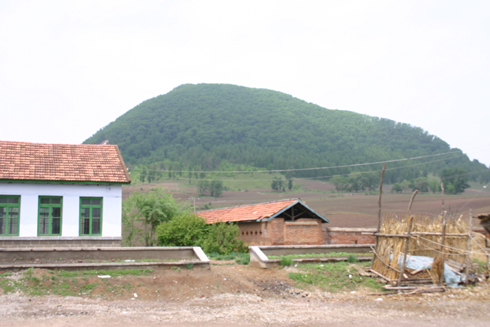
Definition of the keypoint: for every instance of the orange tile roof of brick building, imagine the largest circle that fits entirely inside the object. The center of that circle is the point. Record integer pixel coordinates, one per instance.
(253, 212)
(22, 161)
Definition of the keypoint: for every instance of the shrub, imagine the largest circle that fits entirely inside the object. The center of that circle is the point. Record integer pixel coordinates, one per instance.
(150, 209)
(183, 230)
(222, 238)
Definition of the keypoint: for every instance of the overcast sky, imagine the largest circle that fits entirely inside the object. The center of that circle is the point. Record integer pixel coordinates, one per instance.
(68, 68)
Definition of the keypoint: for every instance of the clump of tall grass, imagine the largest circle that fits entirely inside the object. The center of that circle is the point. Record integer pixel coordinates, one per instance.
(286, 261)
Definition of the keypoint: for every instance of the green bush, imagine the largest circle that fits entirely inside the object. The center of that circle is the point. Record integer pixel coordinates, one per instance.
(184, 229)
(222, 238)
(190, 230)
(148, 209)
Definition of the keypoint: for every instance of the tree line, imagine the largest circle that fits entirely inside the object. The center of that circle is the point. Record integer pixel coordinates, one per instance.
(454, 181)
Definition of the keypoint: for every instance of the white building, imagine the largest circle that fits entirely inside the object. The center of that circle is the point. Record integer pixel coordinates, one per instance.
(60, 195)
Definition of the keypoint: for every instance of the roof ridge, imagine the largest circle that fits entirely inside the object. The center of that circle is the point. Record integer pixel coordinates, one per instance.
(253, 204)
(66, 144)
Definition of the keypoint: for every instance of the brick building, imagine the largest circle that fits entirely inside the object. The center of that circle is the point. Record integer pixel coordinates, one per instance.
(284, 222)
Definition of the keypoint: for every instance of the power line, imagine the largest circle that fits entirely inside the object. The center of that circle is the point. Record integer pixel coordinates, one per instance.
(317, 177)
(304, 169)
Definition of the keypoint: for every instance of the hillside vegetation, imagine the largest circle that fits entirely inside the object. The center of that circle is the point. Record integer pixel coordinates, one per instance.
(228, 127)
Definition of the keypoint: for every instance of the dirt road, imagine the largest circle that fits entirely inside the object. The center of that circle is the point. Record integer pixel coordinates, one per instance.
(232, 295)
(243, 310)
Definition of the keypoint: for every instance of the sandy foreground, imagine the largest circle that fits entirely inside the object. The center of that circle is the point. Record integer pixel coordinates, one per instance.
(241, 296)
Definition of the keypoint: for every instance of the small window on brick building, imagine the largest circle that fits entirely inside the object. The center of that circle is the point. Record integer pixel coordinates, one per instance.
(260, 232)
(354, 242)
(246, 233)
(255, 232)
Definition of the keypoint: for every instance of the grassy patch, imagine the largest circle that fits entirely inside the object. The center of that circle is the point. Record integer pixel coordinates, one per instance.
(8, 285)
(321, 255)
(286, 261)
(112, 273)
(334, 277)
(240, 258)
(352, 258)
(66, 283)
(479, 266)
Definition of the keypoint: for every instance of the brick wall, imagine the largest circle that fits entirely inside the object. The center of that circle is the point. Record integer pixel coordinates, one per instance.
(67, 242)
(278, 232)
(275, 231)
(303, 232)
(252, 233)
(263, 233)
(336, 235)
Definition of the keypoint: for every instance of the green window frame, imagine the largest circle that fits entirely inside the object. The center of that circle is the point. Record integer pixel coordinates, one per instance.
(90, 216)
(50, 215)
(9, 215)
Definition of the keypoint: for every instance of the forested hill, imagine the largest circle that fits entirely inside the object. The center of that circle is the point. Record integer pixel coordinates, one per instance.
(207, 126)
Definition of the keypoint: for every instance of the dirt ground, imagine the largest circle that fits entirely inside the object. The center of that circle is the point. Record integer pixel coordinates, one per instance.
(236, 295)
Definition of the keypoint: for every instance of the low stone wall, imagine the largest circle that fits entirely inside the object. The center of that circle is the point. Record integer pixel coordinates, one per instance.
(338, 235)
(259, 254)
(58, 241)
(101, 258)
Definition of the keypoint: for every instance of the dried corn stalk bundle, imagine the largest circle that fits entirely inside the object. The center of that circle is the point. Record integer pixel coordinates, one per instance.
(456, 246)
(425, 240)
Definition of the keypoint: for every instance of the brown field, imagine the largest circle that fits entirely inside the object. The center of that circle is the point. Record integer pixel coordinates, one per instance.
(342, 210)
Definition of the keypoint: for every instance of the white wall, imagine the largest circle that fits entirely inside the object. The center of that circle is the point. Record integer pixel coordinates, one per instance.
(71, 193)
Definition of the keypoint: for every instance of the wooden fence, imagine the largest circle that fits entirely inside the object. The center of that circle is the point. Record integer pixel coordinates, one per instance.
(421, 236)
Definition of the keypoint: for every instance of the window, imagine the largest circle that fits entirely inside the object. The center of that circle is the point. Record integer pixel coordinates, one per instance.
(50, 213)
(9, 215)
(90, 216)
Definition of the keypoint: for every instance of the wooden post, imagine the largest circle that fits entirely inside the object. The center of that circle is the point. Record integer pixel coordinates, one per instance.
(411, 201)
(379, 199)
(442, 192)
(486, 251)
(402, 268)
(379, 208)
(441, 277)
(468, 259)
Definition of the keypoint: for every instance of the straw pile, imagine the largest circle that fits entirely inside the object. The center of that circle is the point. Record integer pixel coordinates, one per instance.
(390, 247)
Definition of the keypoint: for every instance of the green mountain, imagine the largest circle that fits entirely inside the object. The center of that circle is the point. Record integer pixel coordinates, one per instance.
(210, 126)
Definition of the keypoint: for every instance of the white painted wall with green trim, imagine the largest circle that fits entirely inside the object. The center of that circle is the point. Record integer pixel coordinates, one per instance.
(71, 193)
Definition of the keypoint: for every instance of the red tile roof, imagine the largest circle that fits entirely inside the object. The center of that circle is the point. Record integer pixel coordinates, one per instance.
(246, 213)
(24, 161)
